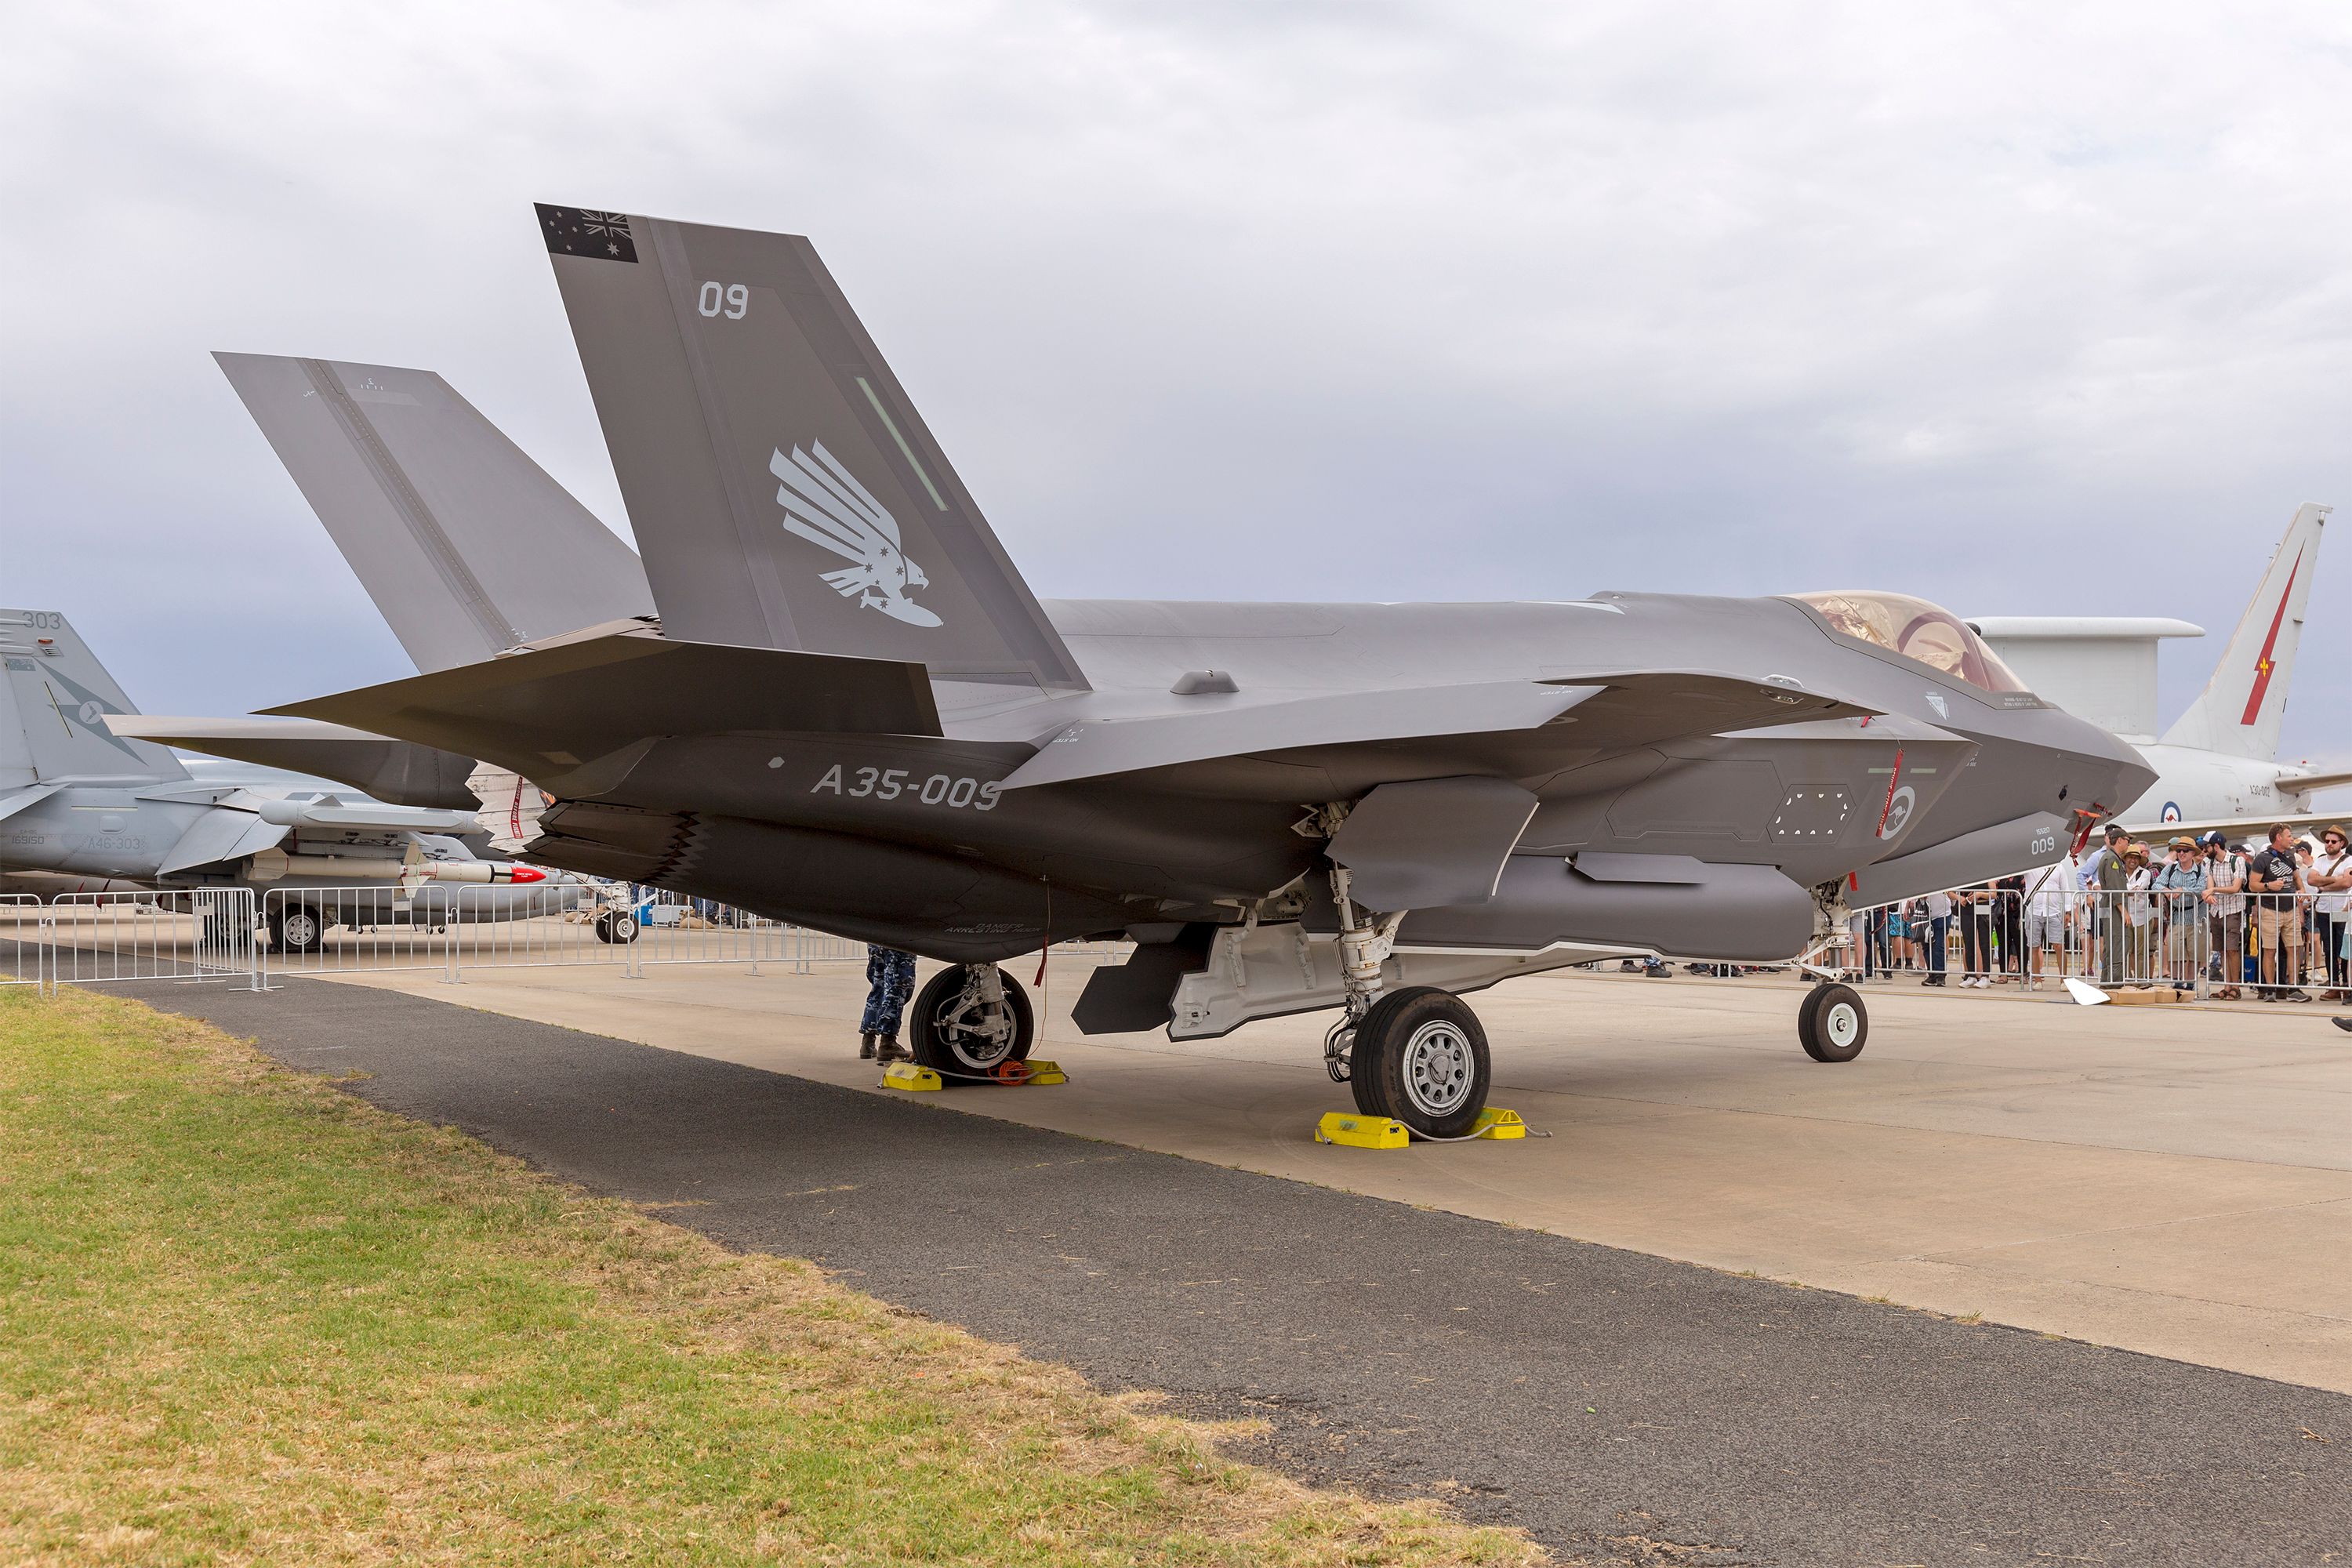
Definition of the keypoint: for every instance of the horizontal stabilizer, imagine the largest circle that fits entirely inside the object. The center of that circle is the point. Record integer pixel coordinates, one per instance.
(548, 712)
(398, 771)
(2309, 784)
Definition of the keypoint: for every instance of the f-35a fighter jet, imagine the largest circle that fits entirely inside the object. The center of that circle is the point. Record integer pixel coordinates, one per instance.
(852, 713)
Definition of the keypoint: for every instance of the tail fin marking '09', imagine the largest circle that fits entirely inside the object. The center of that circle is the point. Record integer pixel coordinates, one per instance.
(2240, 710)
(782, 489)
(54, 699)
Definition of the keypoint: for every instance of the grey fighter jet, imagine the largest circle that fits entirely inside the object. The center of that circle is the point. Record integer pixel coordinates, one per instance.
(853, 714)
(84, 810)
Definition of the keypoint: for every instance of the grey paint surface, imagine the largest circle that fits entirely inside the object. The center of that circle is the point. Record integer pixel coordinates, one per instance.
(703, 390)
(762, 445)
(466, 545)
(1600, 1399)
(1431, 841)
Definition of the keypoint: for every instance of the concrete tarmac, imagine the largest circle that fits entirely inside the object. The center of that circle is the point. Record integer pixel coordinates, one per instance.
(2167, 1180)
(1619, 1405)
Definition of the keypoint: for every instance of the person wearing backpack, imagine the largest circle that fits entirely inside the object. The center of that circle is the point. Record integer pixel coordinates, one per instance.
(2182, 891)
(2274, 879)
(2225, 878)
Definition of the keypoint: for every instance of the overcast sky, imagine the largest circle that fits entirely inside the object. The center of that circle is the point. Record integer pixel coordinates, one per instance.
(2026, 308)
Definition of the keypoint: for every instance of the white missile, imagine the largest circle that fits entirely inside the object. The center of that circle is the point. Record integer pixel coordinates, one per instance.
(271, 865)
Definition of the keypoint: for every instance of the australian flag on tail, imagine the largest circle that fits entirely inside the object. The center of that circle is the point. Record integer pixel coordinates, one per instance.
(575, 231)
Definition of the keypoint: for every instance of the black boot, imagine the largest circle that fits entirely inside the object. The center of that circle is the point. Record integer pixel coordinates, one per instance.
(865, 1047)
(890, 1050)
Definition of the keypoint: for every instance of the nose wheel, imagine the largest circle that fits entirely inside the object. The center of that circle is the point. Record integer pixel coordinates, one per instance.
(1832, 1023)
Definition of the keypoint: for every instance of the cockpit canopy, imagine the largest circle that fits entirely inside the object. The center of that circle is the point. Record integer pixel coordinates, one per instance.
(1916, 629)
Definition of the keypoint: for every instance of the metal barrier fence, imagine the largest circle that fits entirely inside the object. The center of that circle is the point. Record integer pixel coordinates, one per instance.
(24, 920)
(2131, 937)
(333, 931)
(95, 939)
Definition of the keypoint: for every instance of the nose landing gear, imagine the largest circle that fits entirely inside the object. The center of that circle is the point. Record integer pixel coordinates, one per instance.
(1832, 1023)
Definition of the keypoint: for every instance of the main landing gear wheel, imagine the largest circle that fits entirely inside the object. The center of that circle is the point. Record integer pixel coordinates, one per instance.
(1421, 1056)
(958, 1031)
(616, 926)
(1831, 1023)
(296, 928)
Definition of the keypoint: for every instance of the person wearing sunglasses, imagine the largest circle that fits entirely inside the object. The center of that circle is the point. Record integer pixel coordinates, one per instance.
(2331, 878)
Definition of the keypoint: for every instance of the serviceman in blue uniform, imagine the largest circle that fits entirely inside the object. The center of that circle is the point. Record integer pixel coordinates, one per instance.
(889, 982)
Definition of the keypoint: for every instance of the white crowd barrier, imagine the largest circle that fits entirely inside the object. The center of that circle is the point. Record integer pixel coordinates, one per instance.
(24, 926)
(97, 939)
(2131, 937)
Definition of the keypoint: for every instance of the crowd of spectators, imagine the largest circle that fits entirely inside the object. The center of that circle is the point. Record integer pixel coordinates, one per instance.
(2266, 918)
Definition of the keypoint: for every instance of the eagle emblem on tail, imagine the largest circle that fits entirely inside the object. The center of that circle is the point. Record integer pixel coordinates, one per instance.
(824, 504)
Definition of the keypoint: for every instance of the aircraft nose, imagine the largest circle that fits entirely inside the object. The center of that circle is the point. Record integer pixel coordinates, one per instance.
(2110, 772)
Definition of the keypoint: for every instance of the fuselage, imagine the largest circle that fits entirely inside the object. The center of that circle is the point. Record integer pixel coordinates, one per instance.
(2196, 785)
(941, 844)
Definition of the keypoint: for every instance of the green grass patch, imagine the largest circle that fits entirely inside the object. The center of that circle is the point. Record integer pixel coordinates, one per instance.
(247, 1318)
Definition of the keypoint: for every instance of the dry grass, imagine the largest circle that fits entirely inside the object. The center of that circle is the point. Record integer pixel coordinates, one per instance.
(245, 1317)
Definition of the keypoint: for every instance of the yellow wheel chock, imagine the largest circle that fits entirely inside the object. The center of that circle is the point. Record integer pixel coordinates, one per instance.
(1387, 1132)
(1494, 1123)
(915, 1079)
(1361, 1132)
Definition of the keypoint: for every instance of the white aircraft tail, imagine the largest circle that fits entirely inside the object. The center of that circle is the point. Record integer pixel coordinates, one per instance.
(2240, 710)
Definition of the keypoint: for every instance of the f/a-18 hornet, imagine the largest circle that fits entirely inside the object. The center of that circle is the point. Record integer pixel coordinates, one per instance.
(852, 713)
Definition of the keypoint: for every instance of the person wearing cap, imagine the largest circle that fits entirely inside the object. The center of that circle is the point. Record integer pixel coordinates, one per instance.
(2139, 957)
(2182, 893)
(2105, 877)
(2331, 878)
(2225, 878)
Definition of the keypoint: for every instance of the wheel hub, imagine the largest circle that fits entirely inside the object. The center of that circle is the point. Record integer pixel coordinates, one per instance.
(1840, 1024)
(1438, 1068)
(980, 1035)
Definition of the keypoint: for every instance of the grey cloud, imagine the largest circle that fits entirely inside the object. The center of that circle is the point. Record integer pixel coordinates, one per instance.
(1472, 301)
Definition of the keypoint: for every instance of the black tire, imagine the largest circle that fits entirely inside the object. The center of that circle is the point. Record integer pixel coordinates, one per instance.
(297, 928)
(1833, 1025)
(958, 1044)
(1421, 1056)
(616, 926)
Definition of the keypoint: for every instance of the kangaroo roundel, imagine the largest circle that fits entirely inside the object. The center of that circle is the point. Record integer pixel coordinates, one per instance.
(824, 504)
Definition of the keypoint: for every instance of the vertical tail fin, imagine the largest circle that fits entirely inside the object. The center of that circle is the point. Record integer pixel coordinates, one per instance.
(54, 695)
(2239, 708)
(466, 545)
(784, 491)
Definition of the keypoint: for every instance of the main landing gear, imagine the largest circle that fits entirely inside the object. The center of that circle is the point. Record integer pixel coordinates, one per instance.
(969, 1020)
(1417, 1055)
(1832, 1023)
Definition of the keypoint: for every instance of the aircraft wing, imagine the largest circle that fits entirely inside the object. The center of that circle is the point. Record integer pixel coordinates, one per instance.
(556, 708)
(398, 771)
(1527, 721)
(2236, 827)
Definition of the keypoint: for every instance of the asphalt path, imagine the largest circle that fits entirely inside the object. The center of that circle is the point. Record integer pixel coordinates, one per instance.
(1618, 1406)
